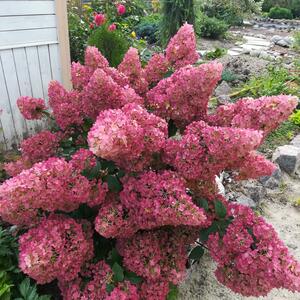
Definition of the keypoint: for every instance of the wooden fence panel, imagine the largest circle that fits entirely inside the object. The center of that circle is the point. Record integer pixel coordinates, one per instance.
(34, 50)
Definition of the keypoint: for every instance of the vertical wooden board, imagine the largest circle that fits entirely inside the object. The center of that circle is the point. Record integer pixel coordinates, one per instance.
(6, 115)
(55, 62)
(34, 67)
(46, 73)
(13, 90)
(24, 80)
(2, 138)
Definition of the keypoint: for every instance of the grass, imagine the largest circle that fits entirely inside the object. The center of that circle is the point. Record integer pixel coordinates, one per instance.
(280, 137)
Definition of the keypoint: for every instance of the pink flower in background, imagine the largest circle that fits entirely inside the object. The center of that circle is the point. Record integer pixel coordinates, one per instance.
(31, 108)
(99, 19)
(92, 26)
(112, 27)
(121, 9)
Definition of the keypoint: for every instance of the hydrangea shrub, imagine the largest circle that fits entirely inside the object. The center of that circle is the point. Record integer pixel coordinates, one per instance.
(121, 194)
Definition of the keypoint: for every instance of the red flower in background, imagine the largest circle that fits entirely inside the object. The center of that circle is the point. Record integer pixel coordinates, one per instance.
(121, 9)
(112, 27)
(99, 19)
(92, 26)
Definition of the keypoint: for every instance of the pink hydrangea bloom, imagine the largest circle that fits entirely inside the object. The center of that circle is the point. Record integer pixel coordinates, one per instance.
(184, 96)
(14, 168)
(132, 68)
(131, 132)
(98, 194)
(265, 113)
(80, 75)
(103, 93)
(255, 166)
(204, 151)
(154, 290)
(120, 78)
(66, 106)
(83, 159)
(157, 255)
(251, 258)
(156, 68)
(49, 186)
(94, 59)
(31, 108)
(55, 249)
(182, 48)
(112, 221)
(156, 200)
(40, 147)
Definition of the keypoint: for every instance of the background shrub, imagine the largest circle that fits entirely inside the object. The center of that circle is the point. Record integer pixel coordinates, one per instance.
(280, 13)
(148, 28)
(293, 5)
(175, 14)
(211, 27)
(110, 43)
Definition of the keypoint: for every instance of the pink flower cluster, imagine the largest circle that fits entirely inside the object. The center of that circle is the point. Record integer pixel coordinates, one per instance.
(151, 201)
(55, 249)
(205, 151)
(184, 96)
(158, 255)
(14, 168)
(48, 186)
(182, 49)
(251, 258)
(83, 159)
(100, 275)
(131, 66)
(265, 113)
(31, 108)
(129, 132)
(40, 146)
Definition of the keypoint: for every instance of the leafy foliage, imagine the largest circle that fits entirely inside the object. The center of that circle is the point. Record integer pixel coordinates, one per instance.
(211, 27)
(296, 44)
(174, 15)
(280, 13)
(295, 117)
(219, 52)
(29, 292)
(148, 28)
(111, 44)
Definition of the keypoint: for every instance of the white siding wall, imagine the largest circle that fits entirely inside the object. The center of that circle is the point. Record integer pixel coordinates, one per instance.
(29, 60)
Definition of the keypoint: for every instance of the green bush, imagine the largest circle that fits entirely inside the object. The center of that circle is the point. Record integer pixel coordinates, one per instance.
(295, 8)
(280, 13)
(295, 117)
(174, 15)
(212, 27)
(148, 28)
(78, 34)
(293, 5)
(296, 44)
(112, 44)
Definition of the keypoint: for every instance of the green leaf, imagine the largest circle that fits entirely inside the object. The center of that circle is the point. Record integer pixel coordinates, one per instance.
(196, 253)
(114, 184)
(109, 287)
(173, 292)
(133, 278)
(204, 233)
(172, 129)
(203, 203)
(118, 272)
(115, 256)
(220, 209)
(29, 292)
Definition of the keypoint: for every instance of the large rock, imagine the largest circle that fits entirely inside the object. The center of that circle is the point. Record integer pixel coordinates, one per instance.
(276, 38)
(283, 43)
(288, 158)
(273, 181)
(246, 201)
(296, 141)
(223, 89)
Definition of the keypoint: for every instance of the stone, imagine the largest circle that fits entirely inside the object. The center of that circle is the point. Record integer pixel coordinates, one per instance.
(223, 89)
(288, 158)
(254, 190)
(223, 99)
(276, 38)
(273, 181)
(296, 141)
(289, 40)
(283, 43)
(265, 55)
(246, 201)
(255, 53)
